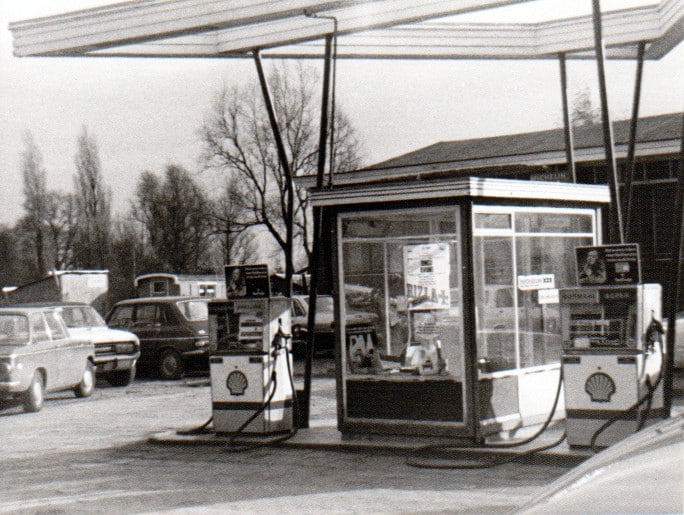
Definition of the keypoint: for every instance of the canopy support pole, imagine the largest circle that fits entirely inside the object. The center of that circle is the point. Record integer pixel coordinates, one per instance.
(613, 180)
(570, 174)
(282, 157)
(317, 236)
(630, 167)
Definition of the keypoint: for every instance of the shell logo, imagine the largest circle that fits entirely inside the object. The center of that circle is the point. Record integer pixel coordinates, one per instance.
(600, 387)
(237, 383)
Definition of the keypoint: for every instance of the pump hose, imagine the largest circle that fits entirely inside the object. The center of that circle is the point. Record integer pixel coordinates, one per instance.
(243, 445)
(447, 463)
(641, 419)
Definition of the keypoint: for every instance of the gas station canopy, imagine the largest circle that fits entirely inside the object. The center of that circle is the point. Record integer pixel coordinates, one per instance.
(388, 29)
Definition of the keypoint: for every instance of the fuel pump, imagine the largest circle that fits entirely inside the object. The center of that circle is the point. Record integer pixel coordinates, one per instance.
(612, 360)
(251, 390)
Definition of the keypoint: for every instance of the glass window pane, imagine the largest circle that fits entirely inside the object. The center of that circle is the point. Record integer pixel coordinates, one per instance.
(376, 281)
(492, 220)
(553, 222)
(56, 329)
(40, 333)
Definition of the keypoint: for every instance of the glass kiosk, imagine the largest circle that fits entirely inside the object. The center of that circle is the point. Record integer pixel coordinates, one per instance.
(455, 273)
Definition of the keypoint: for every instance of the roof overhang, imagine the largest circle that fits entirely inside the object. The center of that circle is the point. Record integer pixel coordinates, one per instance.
(473, 187)
(388, 29)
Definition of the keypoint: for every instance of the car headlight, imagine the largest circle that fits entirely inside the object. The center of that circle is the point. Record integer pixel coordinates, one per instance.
(125, 348)
(201, 343)
(6, 366)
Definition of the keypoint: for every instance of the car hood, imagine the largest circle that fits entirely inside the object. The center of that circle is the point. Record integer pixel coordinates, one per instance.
(102, 334)
(641, 474)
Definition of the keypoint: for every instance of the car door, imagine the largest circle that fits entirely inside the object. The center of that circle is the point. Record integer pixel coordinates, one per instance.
(72, 352)
(147, 324)
(45, 354)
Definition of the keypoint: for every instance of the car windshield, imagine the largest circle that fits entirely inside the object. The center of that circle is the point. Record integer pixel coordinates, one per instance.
(13, 329)
(194, 310)
(324, 303)
(82, 316)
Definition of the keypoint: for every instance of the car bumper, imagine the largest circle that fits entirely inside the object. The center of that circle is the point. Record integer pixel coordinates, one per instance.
(11, 387)
(119, 363)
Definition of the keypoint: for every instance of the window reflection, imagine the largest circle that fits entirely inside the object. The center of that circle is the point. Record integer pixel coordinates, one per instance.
(515, 330)
(403, 268)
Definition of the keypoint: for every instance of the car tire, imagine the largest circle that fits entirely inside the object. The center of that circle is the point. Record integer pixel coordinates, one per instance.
(87, 385)
(170, 365)
(33, 398)
(121, 377)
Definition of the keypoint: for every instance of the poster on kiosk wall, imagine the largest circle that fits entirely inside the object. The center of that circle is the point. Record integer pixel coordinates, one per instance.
(608, 265)
(426, 273)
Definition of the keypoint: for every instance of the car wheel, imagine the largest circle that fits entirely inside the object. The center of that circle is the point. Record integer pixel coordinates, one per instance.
(33, 398)
(121, 377)
(87, 385)
(170, 364)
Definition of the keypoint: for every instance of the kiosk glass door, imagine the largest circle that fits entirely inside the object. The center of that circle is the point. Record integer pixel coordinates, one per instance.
(401, 270)
(521, 256)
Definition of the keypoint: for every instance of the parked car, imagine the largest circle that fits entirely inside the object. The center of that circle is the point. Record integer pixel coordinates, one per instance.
(641, 474)
(324, 323)
(173, 332)
(38, 355)
(116, 351)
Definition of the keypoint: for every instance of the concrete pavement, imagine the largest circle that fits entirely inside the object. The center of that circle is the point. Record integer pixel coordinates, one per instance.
(548, 448)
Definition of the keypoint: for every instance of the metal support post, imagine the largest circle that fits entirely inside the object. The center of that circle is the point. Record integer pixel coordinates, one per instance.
(317, 237)
(630, 167)
(675, 288)
(613, 181)
(571, 174)
(282, 157)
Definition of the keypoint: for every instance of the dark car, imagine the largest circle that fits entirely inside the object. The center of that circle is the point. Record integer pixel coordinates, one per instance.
(173, 332)
(324, 323)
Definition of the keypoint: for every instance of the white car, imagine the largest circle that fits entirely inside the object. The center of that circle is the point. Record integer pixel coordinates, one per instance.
(643, 473)
(39, 355)
(116, 351)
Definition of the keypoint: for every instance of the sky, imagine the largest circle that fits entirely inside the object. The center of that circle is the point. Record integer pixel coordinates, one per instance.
(146, 113)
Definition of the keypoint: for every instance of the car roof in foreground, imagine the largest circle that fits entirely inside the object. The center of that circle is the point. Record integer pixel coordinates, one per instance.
(25, 309)
(46, 304)
(643, 473)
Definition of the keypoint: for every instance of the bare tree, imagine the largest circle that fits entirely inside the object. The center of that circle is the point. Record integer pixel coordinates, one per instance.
(93, 199)
(61, 224)
(175, 216)
(584, 114)
(233, 237)
(238, 140)
(35, 198)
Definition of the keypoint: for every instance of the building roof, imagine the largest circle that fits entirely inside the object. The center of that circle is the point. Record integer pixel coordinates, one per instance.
(665, 127)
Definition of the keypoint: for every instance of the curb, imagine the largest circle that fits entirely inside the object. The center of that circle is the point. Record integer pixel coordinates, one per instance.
(428, 452)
